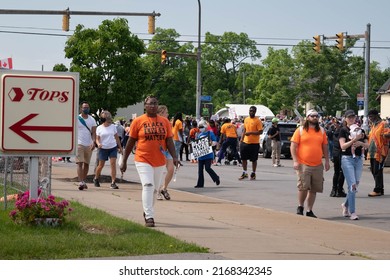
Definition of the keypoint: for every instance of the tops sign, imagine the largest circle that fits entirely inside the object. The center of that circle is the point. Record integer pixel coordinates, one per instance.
(38, 112)
(16, 95)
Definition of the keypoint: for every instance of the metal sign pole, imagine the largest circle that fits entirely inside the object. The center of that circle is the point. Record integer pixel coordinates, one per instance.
(34, 177)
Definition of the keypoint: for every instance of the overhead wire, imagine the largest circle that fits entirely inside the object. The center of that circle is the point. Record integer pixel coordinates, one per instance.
(256, 39)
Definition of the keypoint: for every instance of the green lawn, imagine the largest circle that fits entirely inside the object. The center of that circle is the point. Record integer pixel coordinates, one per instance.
(87, 233)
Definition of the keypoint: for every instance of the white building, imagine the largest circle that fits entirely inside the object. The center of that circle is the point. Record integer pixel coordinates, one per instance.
(130, 112)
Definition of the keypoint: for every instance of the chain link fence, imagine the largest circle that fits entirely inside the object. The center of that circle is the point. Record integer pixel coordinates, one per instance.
(15, 174)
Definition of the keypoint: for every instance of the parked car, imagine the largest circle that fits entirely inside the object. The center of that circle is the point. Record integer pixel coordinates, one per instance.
(287, 130)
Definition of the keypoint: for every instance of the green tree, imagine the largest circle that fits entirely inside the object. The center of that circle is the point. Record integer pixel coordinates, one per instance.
(275, 89)
(108, 59)
(319, 75)
(60, 68)
(247, 79)
(222, 58)
(174, 83)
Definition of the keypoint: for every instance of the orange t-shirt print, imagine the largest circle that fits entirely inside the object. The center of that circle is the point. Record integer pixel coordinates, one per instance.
(151, 134)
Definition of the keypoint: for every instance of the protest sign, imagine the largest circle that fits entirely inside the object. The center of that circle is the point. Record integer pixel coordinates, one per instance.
(201, 147)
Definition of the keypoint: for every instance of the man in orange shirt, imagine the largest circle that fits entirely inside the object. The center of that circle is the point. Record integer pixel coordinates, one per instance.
(308, 145)
(249, 146)
(228, 139)
(377, 150)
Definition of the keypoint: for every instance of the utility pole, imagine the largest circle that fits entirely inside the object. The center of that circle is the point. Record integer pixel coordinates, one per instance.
(243, 87)
(199, 67)
(367, 69)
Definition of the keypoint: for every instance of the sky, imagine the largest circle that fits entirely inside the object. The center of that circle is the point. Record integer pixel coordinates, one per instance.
(277, 23)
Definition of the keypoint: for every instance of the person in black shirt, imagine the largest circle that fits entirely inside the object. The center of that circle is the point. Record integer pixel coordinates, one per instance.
(274, 135)
(338, 176)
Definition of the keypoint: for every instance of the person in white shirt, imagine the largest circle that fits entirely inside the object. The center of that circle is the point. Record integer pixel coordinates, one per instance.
(86, 136)
(107, 141)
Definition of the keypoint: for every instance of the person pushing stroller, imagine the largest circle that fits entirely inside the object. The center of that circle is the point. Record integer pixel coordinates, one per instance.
(228, 138)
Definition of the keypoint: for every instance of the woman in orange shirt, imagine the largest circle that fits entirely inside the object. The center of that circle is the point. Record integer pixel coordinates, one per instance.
(153, 134)
(178, 136)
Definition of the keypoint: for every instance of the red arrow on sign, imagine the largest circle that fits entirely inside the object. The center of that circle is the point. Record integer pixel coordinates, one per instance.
(19, 127)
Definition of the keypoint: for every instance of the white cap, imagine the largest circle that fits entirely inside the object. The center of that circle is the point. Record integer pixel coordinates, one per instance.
(311, 112)
(203, 123)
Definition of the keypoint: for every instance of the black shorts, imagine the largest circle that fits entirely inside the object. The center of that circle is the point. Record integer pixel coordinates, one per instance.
(249, 151)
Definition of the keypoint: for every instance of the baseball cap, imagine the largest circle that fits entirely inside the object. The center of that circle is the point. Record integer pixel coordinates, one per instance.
(349, 113)
(373, 112)
(311, 112)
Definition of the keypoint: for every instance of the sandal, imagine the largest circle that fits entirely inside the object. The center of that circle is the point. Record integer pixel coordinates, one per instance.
(165, 194)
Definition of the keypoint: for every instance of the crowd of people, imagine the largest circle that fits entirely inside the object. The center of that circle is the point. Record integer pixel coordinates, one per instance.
(161, 144)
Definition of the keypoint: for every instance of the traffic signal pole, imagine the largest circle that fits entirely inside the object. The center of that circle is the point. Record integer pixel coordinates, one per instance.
(68, 13)
(339, 39)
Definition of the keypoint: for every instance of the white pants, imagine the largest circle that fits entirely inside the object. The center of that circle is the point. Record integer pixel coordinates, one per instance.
(151, 178)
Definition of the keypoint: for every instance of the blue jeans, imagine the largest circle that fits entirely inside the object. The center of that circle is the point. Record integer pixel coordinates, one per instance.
(205, 164)
(352, 169)
(177, 147)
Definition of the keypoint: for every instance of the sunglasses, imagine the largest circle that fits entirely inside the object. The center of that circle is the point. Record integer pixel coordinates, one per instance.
(313, 116)
(152, 103)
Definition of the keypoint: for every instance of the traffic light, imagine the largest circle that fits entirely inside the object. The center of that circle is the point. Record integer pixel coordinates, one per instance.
(65, 20)
(340, 41)
(151, 24)
(163, 57)
(317, 43)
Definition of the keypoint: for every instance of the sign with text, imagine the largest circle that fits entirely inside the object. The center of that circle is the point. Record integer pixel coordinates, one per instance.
(201, 147)
(38, 112)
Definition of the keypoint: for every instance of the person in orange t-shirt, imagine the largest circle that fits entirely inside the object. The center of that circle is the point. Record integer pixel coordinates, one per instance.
(153, 134)
(228, 139)
(378, 150)
(178, 134)
(249, 146)
(308, 145)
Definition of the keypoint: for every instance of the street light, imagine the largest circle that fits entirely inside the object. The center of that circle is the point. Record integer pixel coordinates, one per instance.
(198, 69)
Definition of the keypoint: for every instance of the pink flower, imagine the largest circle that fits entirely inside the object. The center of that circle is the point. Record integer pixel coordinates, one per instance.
(27, 211)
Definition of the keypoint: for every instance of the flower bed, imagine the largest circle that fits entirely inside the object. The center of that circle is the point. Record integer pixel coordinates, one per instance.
(38, 211)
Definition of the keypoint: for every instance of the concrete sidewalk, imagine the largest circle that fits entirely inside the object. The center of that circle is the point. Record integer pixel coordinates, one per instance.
(231, 230)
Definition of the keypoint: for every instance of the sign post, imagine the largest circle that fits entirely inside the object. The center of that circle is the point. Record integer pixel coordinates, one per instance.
(360, 99)
(38, 116)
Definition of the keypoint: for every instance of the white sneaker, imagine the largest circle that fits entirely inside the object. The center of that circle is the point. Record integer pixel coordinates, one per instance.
(275, 165)
(345, 210)
(159, 195)
(354, 216)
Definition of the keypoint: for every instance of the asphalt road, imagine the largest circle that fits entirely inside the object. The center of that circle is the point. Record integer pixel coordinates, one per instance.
(275, 188)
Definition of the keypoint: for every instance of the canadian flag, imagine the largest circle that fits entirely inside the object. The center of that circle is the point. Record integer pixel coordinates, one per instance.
(6, 63)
